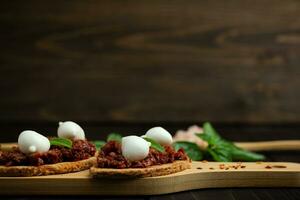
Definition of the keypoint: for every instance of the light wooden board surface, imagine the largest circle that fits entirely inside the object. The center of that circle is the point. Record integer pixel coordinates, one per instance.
(201, 175)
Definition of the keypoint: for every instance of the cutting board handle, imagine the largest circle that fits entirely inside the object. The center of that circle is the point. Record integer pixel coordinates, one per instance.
(276, 145)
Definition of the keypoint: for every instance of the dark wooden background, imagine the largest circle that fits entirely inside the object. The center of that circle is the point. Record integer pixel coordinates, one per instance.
(140, 61)
(128, 65)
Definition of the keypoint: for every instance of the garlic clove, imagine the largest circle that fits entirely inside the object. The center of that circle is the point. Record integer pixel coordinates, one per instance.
(160, 135)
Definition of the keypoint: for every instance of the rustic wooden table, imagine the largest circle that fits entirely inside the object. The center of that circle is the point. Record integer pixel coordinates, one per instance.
(237, 132)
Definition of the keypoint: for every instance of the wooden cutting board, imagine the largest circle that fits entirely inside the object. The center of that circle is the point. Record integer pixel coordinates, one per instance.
(201, 175)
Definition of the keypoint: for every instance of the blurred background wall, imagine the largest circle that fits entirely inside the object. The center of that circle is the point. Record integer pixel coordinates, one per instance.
(150, 61)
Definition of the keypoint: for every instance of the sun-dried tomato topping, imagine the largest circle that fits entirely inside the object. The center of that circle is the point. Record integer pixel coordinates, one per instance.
(12, 158)
(110, 156)
(81, 149)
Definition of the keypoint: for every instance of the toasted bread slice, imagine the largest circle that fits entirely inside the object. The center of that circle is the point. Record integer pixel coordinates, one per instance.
(58, 168)
(156, 170)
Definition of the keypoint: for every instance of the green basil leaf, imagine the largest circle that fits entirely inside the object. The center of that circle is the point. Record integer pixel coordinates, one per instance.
(205, 137)
(225, 151)
(61, 142)
(114, 137)
(224, 145)
(244, 155)
(220, 156)
(155, 145)
(239, 154)
(99, 144)
(209, 130)
(191, 149)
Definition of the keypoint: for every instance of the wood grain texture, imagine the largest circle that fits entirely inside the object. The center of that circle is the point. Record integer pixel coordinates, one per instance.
(201, 175)
(226, 61)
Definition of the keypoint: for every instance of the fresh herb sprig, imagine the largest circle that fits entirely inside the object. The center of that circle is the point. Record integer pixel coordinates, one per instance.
(99, 144)
(111, 137)
(190, 148)
(114, 137)
(61, 142)
(154, 144)
(222, 150)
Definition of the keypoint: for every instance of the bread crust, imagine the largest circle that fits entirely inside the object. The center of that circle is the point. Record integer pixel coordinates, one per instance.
(156, 170)
(58, 168)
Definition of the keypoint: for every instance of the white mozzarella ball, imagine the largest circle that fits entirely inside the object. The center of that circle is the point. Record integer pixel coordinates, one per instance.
(134, 148)
(32, 142)
(160, 135)
(70, 130)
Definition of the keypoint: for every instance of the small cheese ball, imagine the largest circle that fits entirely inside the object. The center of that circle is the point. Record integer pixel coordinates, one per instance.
(70, 130)
(160, 135)
(134, 148)
(31, 142)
